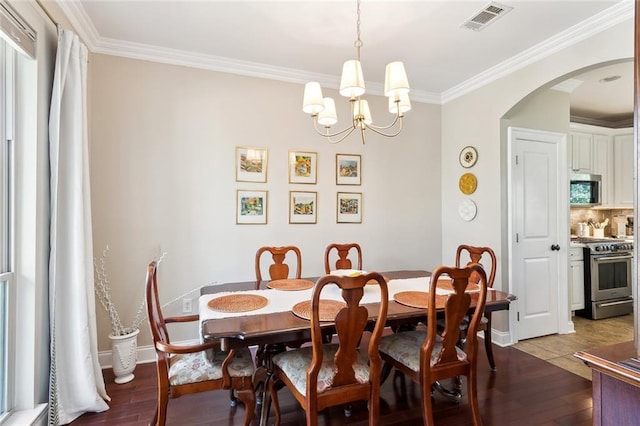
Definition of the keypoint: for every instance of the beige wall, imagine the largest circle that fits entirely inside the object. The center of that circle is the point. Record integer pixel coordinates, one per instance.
(162, 146)
(475, 119)
(546, 110)
(162, 142)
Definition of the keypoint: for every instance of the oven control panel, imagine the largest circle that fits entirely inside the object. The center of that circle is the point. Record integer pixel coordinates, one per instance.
(611, 248)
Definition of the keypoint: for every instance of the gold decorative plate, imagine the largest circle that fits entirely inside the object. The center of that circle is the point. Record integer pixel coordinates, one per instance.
(468, 157)
(468, 183)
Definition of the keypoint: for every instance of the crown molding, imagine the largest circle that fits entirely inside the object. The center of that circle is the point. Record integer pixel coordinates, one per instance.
(81, 22)
(96, 44)
(620, 124)
(102, 45)
(606, 19)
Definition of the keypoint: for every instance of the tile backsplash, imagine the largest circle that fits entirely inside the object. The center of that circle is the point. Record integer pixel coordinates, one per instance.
(598, 215)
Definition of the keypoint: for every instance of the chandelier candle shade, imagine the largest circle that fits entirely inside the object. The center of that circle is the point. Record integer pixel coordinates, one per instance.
(323, 110)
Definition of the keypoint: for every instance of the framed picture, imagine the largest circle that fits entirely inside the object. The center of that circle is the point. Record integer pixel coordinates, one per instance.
(348, 169)
(303, 206)
(251, 207)
(349, 207)
(303, 167)
(251, 164)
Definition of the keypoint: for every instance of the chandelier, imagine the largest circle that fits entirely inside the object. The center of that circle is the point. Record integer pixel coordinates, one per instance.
(323, 110)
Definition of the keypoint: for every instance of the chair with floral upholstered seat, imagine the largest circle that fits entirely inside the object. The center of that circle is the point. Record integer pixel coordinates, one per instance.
(323, 375)
(187, 369)
(430, 356)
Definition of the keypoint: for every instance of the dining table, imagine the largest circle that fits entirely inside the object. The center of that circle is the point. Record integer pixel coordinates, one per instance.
(276, 319)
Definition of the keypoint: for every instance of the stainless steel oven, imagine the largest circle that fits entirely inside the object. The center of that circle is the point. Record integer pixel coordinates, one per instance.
(607, 279)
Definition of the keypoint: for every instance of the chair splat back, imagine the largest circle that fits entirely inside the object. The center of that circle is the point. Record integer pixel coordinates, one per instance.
(350, 323)
(343, 261)
(478, 255)
(456, 309)
(279, 269)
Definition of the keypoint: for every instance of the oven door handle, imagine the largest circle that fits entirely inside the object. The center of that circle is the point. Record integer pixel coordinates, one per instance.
(619, 302)
(607, 258)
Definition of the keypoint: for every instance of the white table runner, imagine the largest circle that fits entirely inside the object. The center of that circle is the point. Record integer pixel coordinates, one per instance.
(283, 301)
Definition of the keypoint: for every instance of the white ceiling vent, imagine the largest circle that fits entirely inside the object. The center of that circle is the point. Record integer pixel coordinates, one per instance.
(487, 15)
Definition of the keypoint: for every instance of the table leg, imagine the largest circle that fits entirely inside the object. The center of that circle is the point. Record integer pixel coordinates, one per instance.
(262, 377)
(266, 401)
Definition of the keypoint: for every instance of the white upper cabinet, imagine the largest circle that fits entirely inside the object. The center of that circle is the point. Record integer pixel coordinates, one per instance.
(581, 152)
(608, 153)
(623, 170)
(602, 164)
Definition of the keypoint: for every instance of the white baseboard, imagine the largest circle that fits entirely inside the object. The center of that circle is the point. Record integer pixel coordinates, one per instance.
(500, 338)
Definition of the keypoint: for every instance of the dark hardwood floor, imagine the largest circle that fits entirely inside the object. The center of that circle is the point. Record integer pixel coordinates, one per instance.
(524, 391)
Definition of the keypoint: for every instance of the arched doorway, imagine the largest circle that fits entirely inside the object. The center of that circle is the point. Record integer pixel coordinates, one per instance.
(549, 108)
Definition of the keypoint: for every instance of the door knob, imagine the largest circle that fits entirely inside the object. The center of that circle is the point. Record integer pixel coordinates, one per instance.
(555, 247)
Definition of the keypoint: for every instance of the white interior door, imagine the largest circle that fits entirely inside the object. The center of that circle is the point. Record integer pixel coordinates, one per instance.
(537, 278)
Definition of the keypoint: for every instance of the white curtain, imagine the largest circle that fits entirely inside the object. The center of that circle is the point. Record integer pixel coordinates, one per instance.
(76, 384)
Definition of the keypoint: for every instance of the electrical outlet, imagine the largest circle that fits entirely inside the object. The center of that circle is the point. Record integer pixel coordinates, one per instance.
(187, 306)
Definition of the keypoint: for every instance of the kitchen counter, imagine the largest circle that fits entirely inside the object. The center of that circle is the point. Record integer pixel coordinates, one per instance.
(616, 387)
(586, 240)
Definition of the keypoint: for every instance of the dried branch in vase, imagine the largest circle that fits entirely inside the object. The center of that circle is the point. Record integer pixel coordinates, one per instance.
(103, 294)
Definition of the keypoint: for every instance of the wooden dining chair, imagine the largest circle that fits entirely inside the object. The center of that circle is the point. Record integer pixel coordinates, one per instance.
(343, 261)
(430, 356)
(279, 269)
(188, 369)
(323, 375)
(485, 257)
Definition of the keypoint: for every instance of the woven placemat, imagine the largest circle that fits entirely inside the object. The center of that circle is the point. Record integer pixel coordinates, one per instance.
(290, 284)
(374, 282)
(417, 299)
(447, 285)
(233, 303)
(328, 309)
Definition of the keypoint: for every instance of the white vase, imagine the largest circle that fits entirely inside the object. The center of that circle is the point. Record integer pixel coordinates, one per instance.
(124, 356)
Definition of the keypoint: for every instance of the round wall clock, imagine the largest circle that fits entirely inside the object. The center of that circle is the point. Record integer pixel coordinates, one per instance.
(467, 210)
(468, 183)
(468, 157)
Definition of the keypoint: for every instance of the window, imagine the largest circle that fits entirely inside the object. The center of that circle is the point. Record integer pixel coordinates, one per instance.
(6, 204)
(22, 358)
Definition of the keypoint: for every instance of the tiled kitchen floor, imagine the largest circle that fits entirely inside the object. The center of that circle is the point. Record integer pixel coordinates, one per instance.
(558, 349)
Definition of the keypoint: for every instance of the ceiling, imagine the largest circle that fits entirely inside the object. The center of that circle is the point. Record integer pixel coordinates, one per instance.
(300, 41)
(602, 99)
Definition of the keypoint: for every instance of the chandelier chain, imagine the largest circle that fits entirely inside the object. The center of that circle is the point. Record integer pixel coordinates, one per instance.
(358, 43)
